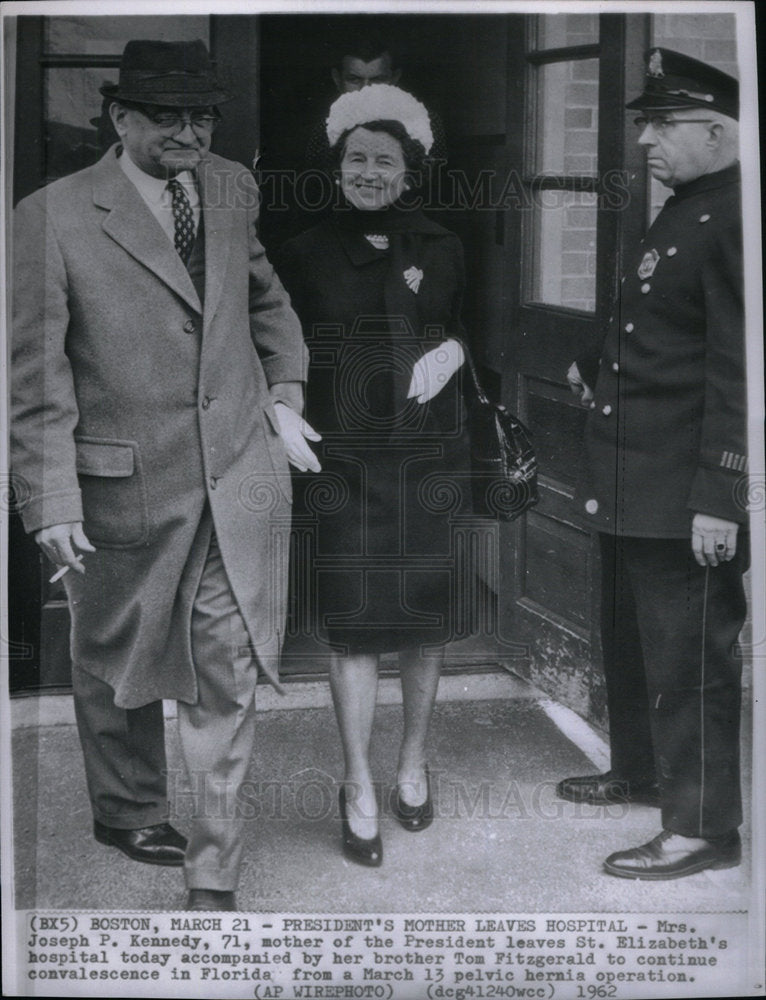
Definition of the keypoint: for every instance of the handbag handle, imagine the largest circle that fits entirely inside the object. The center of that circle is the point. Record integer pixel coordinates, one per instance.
(481, 395)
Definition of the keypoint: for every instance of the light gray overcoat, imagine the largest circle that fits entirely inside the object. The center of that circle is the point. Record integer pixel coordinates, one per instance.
(134, 406)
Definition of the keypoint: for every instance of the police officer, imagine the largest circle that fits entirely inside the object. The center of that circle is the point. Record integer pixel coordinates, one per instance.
(665, 461)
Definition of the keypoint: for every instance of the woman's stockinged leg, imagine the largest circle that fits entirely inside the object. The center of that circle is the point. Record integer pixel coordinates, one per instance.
(420, 674)
(354, 686)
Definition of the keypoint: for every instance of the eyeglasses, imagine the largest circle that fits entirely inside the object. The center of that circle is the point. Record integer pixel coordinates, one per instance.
(660, 124)
(172, 123)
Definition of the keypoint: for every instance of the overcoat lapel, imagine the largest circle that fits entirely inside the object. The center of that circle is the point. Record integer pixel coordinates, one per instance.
(218, 216)
(131, 225)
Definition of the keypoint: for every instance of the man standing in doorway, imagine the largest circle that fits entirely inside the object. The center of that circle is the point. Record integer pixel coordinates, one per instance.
(157, 370)
(361, 60)
(665, 456)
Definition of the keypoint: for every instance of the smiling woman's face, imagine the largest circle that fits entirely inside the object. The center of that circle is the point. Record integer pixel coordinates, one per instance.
(373, 171)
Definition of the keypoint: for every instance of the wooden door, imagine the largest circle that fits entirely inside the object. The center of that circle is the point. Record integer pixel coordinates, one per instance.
(580, 198)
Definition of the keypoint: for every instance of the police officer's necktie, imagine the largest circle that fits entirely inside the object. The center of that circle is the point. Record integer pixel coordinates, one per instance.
(183, 219)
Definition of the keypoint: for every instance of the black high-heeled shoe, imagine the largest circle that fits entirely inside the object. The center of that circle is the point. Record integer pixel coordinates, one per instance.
(364, 851)
(415, 817)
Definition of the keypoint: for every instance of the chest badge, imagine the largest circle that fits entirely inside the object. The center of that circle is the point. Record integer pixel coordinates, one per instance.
(648, 264)
(413, 276)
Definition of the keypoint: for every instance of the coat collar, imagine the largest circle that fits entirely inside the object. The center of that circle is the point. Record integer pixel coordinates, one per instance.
(708, 182)
(131, 225)
(351, 227)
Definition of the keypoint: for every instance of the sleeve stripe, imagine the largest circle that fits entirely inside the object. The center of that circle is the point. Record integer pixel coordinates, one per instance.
(729, 460)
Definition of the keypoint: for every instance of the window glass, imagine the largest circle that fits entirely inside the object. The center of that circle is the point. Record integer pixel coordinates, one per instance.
(567, 118)
(558, 30)
(563, 260)
(107, 35)
(70, 100)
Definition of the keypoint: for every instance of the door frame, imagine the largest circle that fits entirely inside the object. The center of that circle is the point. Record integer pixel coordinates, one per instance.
(561, 656)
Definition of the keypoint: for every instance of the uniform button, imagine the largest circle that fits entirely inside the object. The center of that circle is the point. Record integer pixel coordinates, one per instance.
(206, 403)
(606, 410)
(213, 482)
(615, 366)
(190, 326)
(672, 251)
(705, 218)
(629, 328)
(646, 287)
(592, 405)
(591, 506)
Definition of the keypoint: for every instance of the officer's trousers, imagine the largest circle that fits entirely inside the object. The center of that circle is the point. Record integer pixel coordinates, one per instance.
(669, 631)
(124, 749)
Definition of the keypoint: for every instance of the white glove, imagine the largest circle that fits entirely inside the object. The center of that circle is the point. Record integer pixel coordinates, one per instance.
(434, 370)
(296, 434)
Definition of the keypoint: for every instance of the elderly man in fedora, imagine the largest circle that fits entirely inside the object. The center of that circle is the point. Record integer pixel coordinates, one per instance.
(665, 449)
(157, 376)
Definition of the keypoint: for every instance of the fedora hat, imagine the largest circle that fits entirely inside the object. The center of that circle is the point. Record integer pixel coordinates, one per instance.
(177, 74)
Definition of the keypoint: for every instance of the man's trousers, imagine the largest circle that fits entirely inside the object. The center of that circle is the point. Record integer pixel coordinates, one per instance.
(669, 630)
(124, 749)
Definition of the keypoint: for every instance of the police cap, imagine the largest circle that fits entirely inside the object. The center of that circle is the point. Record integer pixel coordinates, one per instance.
(675, 80)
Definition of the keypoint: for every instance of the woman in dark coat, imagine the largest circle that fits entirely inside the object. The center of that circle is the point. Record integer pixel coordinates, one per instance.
(378, 289)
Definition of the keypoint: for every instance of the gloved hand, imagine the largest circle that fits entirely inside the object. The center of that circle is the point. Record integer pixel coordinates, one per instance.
(434, 370)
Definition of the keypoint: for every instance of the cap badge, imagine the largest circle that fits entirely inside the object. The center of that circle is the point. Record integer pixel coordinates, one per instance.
(413, 276)
(655, 64)
(648, 264)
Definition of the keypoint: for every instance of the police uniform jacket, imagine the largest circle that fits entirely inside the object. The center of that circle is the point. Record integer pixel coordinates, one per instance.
(666, 436)
(137, 407)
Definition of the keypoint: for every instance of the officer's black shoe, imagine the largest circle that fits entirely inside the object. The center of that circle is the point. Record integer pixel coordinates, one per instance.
(600, 789)
(660, 859)
(159, 844)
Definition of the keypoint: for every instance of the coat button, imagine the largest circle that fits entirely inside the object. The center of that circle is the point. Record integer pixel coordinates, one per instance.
(213, 482)
(615, 366)
(671, 251)
(629, 328)
(705, 218)
(606, 410)
(591, 506)
(646, 287)
(206, 403)
(190, 326)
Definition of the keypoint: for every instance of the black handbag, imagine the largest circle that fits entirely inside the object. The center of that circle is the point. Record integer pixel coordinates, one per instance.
(503, 462)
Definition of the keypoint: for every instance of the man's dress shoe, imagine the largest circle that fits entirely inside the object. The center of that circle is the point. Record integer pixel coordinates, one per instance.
(154, 845)
(211, 899)
(600, 789)
(655, 861)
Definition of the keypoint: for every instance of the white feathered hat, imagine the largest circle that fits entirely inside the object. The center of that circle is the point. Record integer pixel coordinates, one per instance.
(380, 102)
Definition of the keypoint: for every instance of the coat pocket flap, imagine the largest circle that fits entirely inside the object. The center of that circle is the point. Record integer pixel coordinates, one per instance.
(102, 458)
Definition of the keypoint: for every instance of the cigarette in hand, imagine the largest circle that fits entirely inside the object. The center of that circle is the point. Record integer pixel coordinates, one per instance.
(64, 569)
